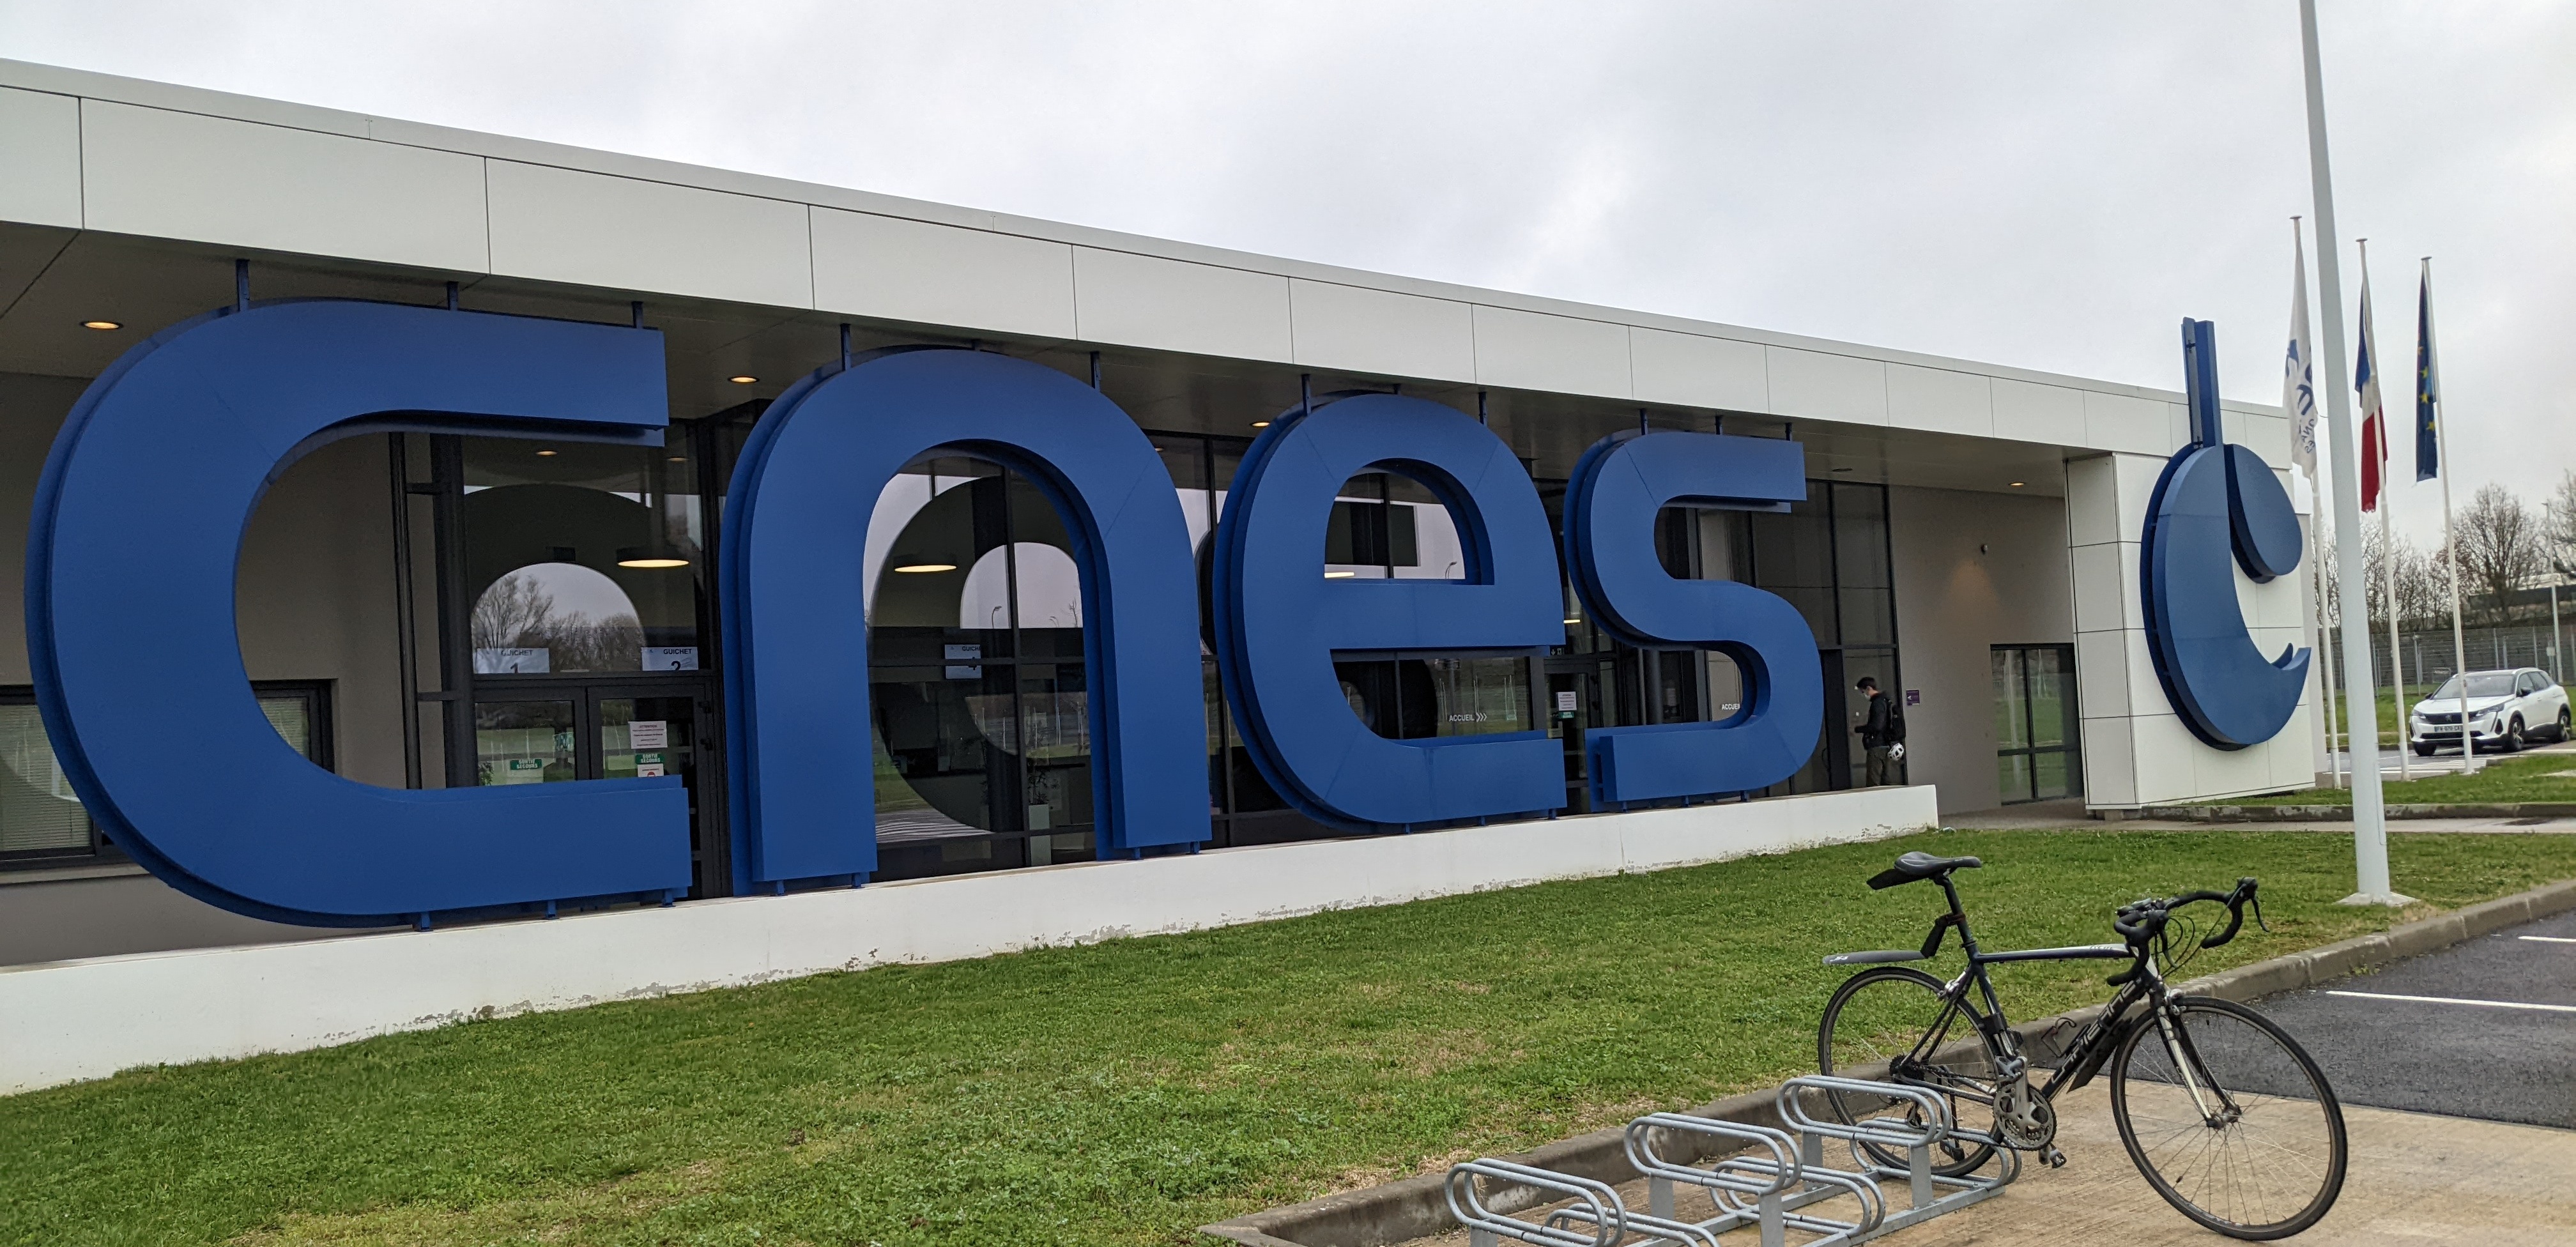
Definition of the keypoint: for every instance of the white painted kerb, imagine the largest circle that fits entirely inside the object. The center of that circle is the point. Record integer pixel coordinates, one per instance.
(86, 1019)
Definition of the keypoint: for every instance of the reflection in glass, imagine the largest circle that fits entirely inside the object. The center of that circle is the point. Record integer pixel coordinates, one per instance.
(977, 681)
(581, 557)
(523, 742)
(1416, 698)
(39, 813)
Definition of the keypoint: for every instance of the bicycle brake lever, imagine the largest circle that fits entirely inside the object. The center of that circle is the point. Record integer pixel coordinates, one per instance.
(2257, 902)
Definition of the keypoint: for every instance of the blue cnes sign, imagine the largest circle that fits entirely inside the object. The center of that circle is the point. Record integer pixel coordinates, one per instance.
(140, 513)
(2213, 501)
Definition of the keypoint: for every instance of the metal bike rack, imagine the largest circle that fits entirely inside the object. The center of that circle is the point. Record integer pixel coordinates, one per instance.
(1780, 1187)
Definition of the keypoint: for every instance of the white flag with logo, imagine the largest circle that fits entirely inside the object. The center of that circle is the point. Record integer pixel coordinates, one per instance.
(2298, 367)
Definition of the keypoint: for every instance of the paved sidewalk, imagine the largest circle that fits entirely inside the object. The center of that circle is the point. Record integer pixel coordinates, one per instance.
(2413, 1179)
(2054, 815)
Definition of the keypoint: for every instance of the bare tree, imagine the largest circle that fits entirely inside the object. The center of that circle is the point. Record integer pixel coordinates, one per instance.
(2559, 526)
(514, 613)
(2501, 545)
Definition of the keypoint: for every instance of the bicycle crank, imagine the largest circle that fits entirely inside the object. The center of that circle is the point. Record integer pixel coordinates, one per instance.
(2023, 1119)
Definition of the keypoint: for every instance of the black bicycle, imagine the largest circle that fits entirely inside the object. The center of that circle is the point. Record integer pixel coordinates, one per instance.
(2226, 1115)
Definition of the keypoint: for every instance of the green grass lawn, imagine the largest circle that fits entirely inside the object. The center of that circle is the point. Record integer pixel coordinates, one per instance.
(2529, 777)
(2389, 721)
(1120, 1092)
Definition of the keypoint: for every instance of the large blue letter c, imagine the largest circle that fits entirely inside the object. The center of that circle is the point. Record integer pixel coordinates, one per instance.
(130, 626)
(2214, 500)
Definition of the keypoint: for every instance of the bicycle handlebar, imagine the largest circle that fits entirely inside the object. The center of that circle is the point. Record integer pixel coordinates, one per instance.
(2142, 921)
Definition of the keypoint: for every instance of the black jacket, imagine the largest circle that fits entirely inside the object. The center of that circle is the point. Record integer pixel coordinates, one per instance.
(1873, 733)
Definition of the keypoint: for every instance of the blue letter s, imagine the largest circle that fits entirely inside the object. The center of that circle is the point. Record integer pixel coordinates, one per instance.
(1610, 506)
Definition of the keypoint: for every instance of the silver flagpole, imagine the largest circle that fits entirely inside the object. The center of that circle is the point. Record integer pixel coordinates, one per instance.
(2316, 525)
(2369, 810)
(2432, 384)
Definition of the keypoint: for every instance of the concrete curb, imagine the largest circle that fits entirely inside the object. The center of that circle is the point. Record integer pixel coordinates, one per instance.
(2343, 813)
(1415, 1207)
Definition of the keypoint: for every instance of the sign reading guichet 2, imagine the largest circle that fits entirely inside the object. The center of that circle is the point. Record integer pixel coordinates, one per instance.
(140, 513)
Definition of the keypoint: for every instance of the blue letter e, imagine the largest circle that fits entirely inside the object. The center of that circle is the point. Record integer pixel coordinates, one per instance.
(1610, 506)
(1279, 621)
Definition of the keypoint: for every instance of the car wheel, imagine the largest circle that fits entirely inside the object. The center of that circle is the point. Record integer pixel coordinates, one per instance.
(2562, 724)
(2423, 751)
(2513, 735)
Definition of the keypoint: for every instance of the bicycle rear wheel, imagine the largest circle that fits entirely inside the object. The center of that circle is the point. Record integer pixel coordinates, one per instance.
(2229, 1118)
(1890, 1022)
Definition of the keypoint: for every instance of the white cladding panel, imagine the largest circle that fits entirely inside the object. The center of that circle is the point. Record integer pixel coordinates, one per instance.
(1174, 305)
(2031, 412)
(591, 229)
(2118, 422)
(898, 269)
(1563, 354)
(1812, 385)
(1357, 329)
(40, 158)
(1694, 370)
(1940, 400)
(182, 175)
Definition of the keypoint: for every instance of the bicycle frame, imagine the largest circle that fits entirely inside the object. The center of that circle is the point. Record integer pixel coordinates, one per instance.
(2092, 1046)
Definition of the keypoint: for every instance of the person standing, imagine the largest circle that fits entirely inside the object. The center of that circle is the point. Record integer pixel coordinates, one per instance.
(1879, 734)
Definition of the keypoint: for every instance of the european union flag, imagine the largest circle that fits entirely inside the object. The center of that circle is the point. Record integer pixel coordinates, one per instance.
(2428, 388)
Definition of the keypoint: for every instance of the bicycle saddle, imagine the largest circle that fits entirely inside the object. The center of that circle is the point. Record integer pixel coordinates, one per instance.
(1920, 865)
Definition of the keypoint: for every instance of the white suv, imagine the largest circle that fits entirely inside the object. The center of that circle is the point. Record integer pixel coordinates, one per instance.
(2506, 708)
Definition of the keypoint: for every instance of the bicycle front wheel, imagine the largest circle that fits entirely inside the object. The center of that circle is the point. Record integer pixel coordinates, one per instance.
(2229, 1118)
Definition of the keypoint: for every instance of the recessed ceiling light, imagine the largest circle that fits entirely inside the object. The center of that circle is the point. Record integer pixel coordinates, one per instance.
(1261, 424)
(1339, 575)
(102, 324)
(2016, 484)
(917, 568)
(547, 454)
(1574, 621)
(679, 458)
(652, 563)
(743, 379)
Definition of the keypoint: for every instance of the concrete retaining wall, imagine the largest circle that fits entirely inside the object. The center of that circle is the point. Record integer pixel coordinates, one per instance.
(72, 1020)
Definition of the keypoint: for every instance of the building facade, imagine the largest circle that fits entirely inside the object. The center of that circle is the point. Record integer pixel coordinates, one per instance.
(427, 609)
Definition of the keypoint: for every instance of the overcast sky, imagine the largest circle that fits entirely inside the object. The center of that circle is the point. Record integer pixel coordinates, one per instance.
(2046, 185)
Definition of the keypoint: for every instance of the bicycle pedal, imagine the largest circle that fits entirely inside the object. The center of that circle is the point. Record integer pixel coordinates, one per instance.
(2051, 1157)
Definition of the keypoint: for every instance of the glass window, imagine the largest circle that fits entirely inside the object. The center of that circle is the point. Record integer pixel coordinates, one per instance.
(979, 687)
(42, 821)
(1388, 526)
(1412, 698)
(581, 557)
(2481, 684)
(1861, 573)
(523, 742)
(39, 813)
(1793, 556)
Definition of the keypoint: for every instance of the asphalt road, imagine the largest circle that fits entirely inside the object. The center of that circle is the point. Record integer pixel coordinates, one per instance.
(2433, 1055)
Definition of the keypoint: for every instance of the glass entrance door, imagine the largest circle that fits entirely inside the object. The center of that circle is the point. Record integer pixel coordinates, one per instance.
(542, 730)
(2037, 754)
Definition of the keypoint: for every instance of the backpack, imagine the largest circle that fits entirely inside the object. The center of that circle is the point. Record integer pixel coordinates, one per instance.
(1895, 720)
